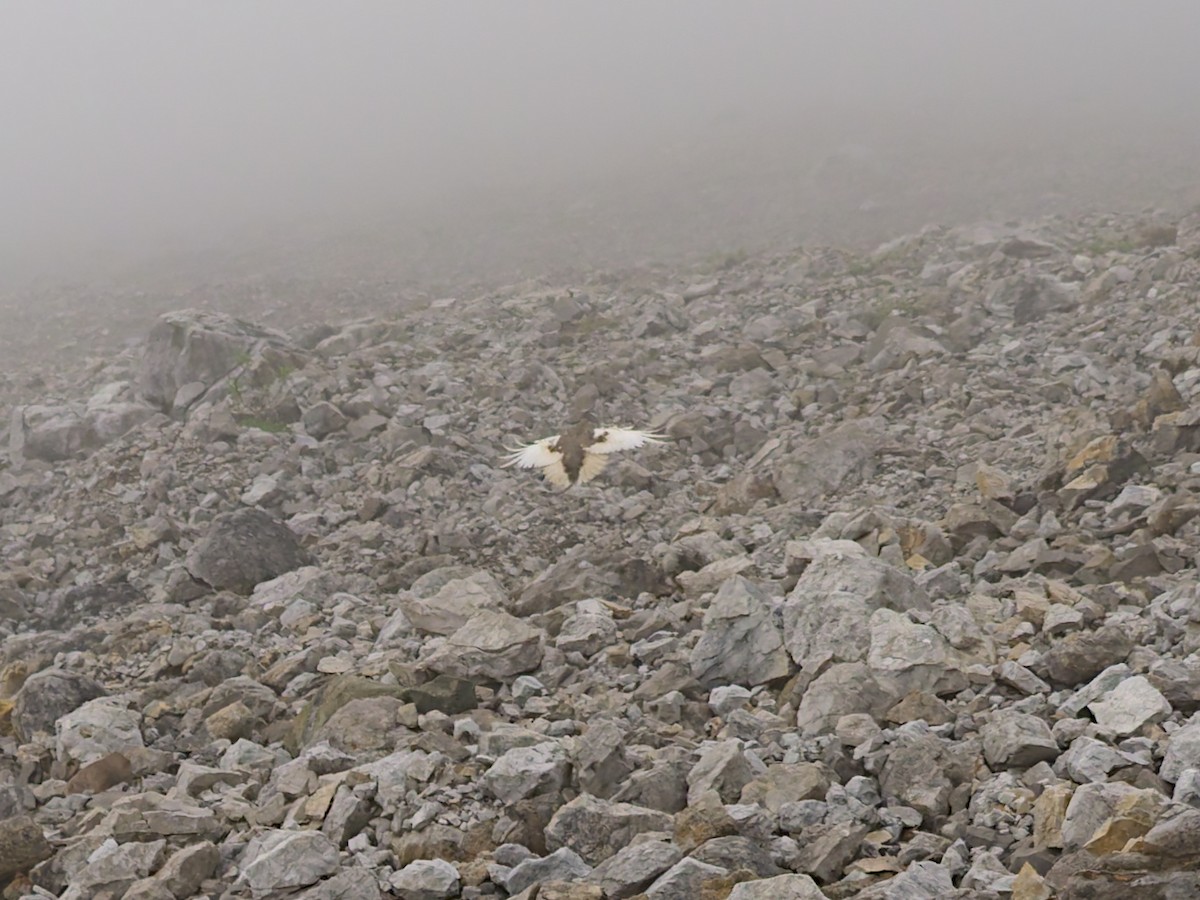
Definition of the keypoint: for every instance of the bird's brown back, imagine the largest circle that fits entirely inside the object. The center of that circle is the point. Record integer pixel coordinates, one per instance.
(573, 446)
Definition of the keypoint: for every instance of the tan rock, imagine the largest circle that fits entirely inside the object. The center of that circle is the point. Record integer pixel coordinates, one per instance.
(1133, 816)
(701, 821)
(1161, 397)
(1029, 885)
(106, 772)
(1115, 833)
(231, 722)
(993, 484)
(920, 705)
(1049, 811)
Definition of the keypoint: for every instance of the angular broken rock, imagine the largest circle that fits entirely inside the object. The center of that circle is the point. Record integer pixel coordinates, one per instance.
(830, 462)
(279, 860)
(526, 772)
(53, 433)
(454, 603)
(194, 346)
(907, 657)
(97, 728)
(187, 867)
(323, 419)
(564, 864)
(740, 643)
(1182, 753)
(690, 878)
(842, 689)
(426, 879)
(633, 868)
(826, 615)
(826, 849)
(781, 887)
(1093, 804)
(586, 632)
(596, 829)
(491, 645)
(922, 770)
(601, 763)
(1129, 706)
(113, 867)
(1013, 738)
(726, 768)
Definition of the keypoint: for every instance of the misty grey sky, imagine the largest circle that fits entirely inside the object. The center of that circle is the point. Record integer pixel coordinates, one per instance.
(126, 126)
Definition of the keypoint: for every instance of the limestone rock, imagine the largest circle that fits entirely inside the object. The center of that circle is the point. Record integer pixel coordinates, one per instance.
(596, 829)
(741, 643)
(426, 879)
(490, 645)
(1017, 739)
(279, 860)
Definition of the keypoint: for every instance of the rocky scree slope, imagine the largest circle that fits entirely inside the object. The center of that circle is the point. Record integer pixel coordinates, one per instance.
(906, 609)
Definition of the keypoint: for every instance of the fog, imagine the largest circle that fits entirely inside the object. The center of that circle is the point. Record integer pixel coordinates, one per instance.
(230, 134)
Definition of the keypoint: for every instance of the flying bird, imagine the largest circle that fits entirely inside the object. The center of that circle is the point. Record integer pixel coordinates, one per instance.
(579, 454)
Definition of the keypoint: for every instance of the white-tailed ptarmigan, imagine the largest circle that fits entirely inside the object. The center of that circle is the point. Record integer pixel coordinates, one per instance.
(579, 454)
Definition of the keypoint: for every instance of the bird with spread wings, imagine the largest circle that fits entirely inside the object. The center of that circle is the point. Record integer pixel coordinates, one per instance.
(579, 454)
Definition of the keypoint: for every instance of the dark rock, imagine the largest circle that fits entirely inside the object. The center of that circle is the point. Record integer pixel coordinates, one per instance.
(22, 846)
(243, 548)
(442, 692)
(48, 695)
(1080, 656)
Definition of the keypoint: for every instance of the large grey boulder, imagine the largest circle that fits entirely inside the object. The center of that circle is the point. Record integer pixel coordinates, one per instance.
(564, 864)
(840, 690)
(243, 548)
(492, 645)
(596, 829)
(820, 466)
(52, 433)
(633, 868)
(1017, 739)
(189, 351)
(1091, 805)
(922, 771)
(741, 643)
(601, 763)
(98, 727)
(453, 604)
(48, 695)
(281, 860)
(906, 656)
(725, 767)
(114, 867)
(828, 613)
(526, 772)
(1183, 752)
(686, 879)
(426, 879)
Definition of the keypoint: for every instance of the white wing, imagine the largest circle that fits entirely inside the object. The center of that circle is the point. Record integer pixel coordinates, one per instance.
(557, 475)
(593, 465)
(537, 455)
(610, 440)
